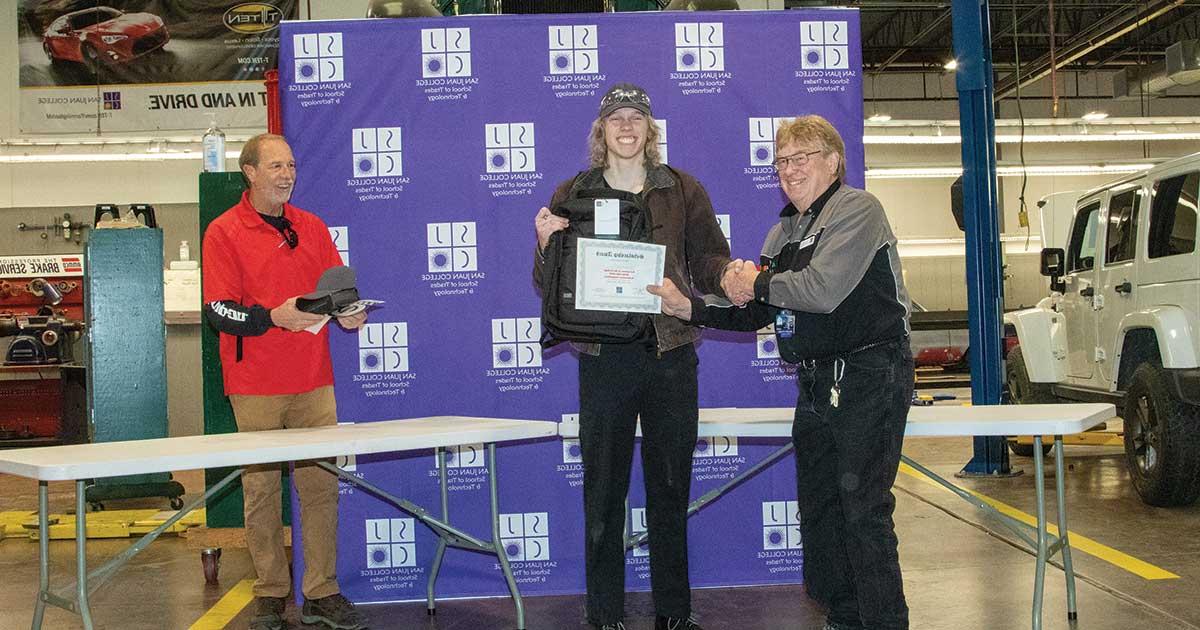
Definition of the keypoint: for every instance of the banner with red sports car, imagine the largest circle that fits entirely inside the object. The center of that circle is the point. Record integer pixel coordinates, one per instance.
(145, 65)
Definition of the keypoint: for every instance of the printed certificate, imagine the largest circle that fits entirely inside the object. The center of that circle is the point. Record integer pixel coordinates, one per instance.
(612, 275)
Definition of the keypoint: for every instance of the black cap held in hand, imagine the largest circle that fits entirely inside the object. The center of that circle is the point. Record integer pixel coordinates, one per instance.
(335, 290)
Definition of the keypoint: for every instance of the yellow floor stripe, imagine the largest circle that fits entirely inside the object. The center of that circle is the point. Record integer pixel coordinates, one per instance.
(1121, 560)
(230, 605)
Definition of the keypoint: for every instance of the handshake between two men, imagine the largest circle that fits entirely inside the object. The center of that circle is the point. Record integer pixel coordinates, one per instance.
(737, 281)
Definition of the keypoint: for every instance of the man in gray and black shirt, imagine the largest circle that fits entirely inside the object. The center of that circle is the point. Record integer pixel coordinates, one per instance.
(831, 284)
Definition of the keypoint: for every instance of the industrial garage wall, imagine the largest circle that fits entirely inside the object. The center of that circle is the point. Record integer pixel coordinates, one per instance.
(427, 147)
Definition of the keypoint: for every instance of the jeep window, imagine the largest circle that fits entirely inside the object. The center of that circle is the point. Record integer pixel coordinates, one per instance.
(1122, 227)
(1173, 216)
(1081, 255)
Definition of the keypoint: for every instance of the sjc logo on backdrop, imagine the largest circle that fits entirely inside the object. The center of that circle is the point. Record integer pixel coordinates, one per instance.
(465, 456)
(391, 555)
(782, 545)
(637, 525)
(510, 151)
(341, 241)
(453, 256)
(526, 536)
(716, 459)
(762, 152)
(574, 61)
(699, 46)
(383, 347)
(825, 58)
(377, 155)
(723, 220)
(391, 543)
(700, 58)
(446, 64)
(767, 346)
(781, 525)
(383, 359)
(318, 58)
(769, 366)
(574, 49)
(515, 342)
(445, 52)
(571, 467)
(662, 139)
(716, 446)
(762, 140)
(465, 468)
(510, 148)
(824, 46)
(451, 247)
(377, 152)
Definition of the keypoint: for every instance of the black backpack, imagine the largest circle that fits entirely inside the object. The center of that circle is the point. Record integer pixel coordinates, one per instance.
(560, 319)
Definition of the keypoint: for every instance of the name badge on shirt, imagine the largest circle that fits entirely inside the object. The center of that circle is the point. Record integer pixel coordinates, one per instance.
(608, 218)
(785, 323)
(807, 242)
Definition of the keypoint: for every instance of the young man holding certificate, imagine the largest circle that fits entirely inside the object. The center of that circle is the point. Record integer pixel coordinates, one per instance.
(654, 377)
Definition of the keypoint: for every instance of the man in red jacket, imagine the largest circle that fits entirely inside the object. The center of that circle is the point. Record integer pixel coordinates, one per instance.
(259, 256)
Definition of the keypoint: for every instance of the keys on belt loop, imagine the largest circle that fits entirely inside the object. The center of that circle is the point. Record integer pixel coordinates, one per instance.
(835, 392)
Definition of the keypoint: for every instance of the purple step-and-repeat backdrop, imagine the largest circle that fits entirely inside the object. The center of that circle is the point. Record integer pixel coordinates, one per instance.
(427, 146)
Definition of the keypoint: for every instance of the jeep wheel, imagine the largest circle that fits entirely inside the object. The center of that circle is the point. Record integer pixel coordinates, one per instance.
(1022, 392)
(1162, 440)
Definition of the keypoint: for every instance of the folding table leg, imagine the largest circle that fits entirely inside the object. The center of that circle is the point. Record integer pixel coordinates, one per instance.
(1042, 545)
(500, 552)
(81, 581)
(430, 604)
(1060, 491)
(39, 609)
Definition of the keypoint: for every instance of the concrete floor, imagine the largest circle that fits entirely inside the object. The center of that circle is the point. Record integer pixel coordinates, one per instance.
(958, 574)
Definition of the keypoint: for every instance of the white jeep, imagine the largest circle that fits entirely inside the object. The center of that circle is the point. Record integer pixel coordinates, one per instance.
(1122, 324)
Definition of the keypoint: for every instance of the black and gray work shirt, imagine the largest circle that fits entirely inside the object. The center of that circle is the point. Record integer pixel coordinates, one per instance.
(835, 269)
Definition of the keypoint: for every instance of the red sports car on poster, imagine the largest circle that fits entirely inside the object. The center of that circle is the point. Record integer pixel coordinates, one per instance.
(103, 34)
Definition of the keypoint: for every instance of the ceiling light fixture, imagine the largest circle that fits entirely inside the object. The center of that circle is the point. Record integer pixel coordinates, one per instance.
(1094, 116)
(951, 65)
(879, 118)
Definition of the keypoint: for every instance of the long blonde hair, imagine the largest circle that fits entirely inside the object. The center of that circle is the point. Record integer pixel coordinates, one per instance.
(598, 148)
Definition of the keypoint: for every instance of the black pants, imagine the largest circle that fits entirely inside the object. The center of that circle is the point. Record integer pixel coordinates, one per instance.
(846, 462)
(614, 388)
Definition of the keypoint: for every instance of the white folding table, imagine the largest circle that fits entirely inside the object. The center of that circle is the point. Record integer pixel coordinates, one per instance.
(81, 462)
(937, 421)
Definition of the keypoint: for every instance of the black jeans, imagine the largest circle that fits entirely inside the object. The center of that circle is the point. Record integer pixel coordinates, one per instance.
(616, 386)
(846, 462)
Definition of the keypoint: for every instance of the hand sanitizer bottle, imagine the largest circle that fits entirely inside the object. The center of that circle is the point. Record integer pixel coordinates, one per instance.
(214, 146)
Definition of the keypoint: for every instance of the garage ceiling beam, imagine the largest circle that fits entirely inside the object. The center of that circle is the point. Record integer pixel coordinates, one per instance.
(1137, 14)
(925, 32)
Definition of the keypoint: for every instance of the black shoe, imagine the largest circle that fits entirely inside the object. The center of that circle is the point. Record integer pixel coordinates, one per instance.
(334, 611)
(268, 614)
(674, 623)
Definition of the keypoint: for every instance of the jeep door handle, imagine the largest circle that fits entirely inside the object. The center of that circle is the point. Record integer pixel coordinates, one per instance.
(1087, 292)
(1124, 287)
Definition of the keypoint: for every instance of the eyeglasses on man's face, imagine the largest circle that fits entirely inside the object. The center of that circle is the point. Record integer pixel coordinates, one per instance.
(782, 162)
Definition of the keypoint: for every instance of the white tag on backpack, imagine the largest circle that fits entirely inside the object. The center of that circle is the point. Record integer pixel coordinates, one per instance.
(608, 218)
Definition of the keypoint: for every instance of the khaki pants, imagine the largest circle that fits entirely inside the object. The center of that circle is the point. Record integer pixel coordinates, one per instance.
(318, 490)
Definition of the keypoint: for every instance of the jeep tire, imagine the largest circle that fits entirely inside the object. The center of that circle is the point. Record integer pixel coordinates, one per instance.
(1162, 440)
(1022, 392)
